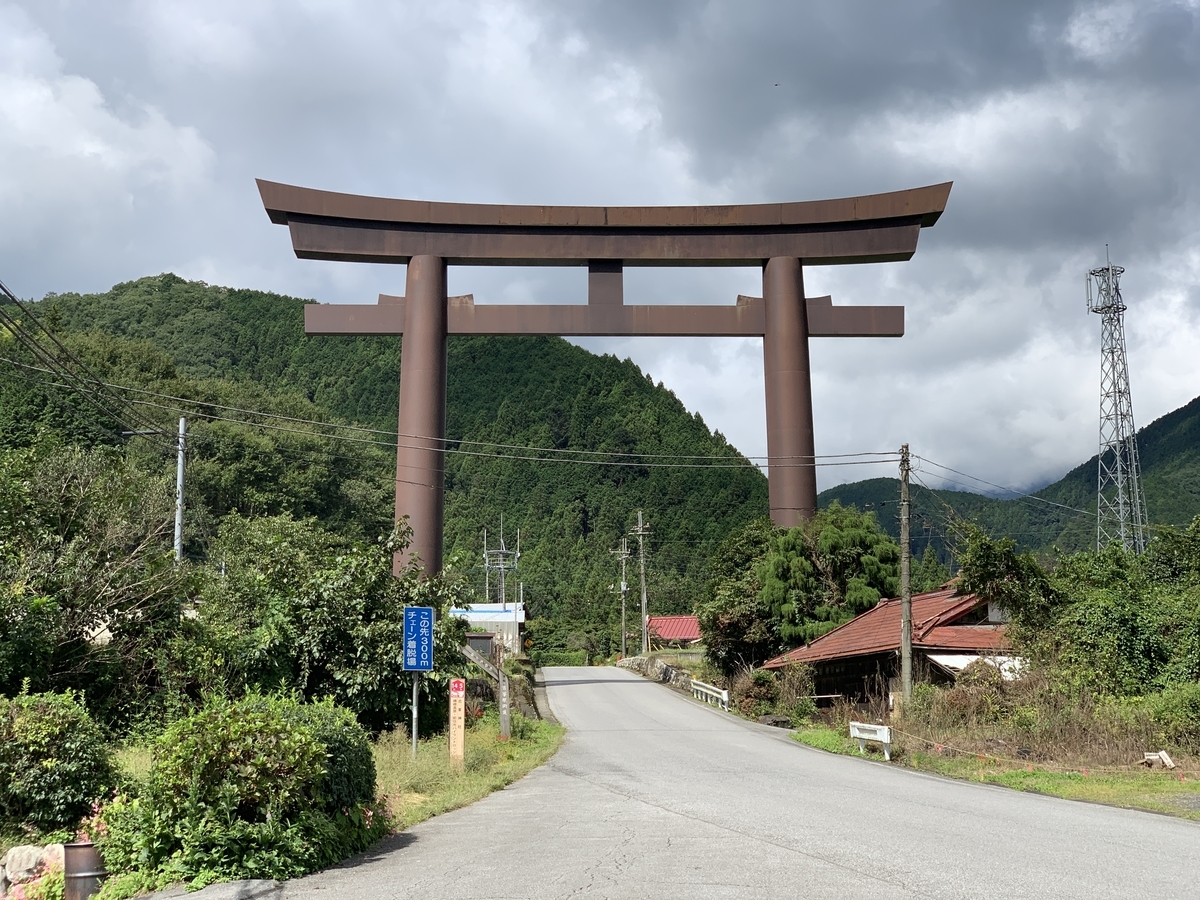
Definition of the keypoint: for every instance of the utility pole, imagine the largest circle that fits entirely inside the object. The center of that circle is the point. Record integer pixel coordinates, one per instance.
(622, 553)
(640, 533)
(905, 582)
(179, 491)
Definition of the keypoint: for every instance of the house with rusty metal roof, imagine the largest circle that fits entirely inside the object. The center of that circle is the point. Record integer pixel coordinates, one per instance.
(861, 658)
(676, 631)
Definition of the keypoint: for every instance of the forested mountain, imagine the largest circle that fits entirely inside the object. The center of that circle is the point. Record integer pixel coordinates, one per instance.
(234, 350)
(1170, 455)
(245, 349)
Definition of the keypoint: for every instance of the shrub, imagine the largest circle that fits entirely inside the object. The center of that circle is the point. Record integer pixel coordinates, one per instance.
(1177, 712)
(256, 788)
(795, 693)
(754, 693)
(53, 761)
(349, 779)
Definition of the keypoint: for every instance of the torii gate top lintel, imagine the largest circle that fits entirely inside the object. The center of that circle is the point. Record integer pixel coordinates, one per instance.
(428, 237)
(353, 228)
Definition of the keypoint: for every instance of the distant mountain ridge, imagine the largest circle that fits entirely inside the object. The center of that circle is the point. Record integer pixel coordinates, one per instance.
(1169, 449)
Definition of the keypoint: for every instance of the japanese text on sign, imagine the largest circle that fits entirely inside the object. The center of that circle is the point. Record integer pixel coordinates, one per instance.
(418, 638)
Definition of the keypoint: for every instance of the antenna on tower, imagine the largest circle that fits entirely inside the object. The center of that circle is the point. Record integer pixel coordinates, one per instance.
(1120, 503)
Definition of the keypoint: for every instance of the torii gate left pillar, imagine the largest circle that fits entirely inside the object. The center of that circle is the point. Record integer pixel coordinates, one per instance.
(782, 238)
(421, 447)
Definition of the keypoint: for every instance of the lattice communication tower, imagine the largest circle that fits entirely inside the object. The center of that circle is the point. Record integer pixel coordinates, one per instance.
(1120, 503)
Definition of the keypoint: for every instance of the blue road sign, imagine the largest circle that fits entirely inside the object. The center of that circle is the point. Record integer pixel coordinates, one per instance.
(418, 638)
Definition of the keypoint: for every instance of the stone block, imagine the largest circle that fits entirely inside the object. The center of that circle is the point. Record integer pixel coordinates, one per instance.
(22, 863)
(52, 856)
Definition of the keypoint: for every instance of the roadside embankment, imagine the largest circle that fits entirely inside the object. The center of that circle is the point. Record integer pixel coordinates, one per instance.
(655, 669)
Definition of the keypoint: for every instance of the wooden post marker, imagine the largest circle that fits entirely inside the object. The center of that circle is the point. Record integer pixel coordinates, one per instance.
(458, 705)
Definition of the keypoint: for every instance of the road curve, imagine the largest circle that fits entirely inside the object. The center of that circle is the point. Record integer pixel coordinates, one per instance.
(654, 795)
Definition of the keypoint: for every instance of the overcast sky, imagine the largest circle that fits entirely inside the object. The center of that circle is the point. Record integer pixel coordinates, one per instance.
(131, 134)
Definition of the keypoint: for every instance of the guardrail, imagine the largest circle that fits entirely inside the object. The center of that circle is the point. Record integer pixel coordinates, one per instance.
(864, 732)
(709, 694)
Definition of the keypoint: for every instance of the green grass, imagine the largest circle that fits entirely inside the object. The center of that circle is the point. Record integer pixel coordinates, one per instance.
(827, 739)
(1165, 792)
(429, 785)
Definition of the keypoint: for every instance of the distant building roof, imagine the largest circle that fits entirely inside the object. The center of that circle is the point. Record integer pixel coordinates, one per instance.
(936, 626)
(491, 612)
(674, 628)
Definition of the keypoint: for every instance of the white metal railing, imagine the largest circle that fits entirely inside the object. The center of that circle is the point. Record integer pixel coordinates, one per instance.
(864, 732)
(710, 694)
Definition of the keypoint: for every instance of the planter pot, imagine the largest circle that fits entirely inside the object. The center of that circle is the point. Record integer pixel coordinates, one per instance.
(83, 870)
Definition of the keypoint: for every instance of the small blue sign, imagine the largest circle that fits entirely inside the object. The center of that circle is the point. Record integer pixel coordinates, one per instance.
(418, 638)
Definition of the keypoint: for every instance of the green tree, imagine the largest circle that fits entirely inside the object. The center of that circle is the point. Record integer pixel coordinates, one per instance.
(929, 574)
(993, 569)
(88, 585)
(737, 627)
(299, 608)
(826, 570)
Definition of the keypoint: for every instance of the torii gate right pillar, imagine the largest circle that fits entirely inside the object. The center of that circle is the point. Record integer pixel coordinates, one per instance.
(791, 471)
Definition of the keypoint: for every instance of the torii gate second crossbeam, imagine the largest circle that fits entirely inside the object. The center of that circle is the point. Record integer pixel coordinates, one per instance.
(428, 237)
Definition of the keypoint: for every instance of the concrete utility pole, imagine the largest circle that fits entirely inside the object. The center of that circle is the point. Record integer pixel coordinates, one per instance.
(905, 583)
(622, 553)
(179, 490)
(640, 533)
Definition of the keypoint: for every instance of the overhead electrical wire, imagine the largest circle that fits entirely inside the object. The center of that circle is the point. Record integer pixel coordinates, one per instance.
(627, 459)
(88, 387)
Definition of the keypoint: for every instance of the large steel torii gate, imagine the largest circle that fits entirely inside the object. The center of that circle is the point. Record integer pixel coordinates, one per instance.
(780, 237)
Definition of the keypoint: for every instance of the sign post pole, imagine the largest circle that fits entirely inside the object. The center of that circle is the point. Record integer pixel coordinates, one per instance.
(458, 704)
(416, 683)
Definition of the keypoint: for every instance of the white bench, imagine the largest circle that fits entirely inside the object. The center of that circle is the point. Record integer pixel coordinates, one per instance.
(881, 733)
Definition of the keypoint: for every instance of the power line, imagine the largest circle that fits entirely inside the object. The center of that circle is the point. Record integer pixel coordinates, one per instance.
(1020, 495)
(35, 346)
(834, 460)
(463, 441)
(74, 383)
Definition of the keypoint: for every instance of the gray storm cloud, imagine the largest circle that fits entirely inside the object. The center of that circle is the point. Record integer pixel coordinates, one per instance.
(131, 132)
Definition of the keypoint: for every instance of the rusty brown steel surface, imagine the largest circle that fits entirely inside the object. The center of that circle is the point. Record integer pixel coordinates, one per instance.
(352, 228)
(420, 454)
(284, 200)
(606, 283)
(791, 474)
(427, 236)
(336, 240)
(746, 319)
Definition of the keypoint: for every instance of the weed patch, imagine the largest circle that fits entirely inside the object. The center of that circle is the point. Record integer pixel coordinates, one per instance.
(1173, 793)
(824, 738)
(416, 789)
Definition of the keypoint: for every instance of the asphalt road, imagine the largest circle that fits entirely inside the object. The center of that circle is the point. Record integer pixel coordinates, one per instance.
(655, 795)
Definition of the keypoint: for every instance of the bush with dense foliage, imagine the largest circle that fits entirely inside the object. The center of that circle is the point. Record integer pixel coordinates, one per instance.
(785, 692)
(255, 788)
(1111, 642)
(297, 608)
(88, 586)
(54, 763)
(1111, 622)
